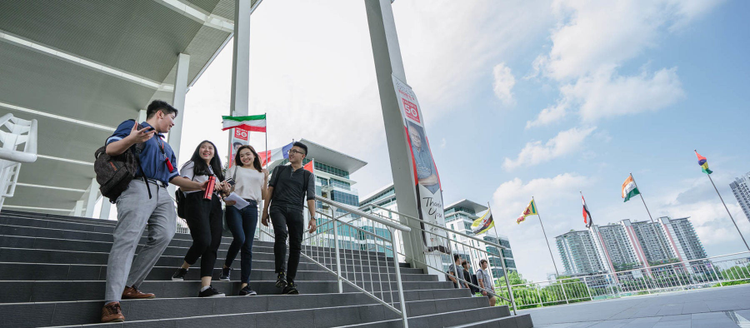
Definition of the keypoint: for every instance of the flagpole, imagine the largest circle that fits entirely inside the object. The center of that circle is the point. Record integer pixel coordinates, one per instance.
(502, 262)
(267, 154)
(545, 236)
(599, 243)
(730, 214)
(640, 193)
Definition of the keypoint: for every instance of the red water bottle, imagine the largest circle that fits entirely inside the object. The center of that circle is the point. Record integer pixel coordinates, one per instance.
(208, 194)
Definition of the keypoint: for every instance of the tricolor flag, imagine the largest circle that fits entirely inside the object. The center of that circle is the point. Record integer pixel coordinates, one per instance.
(481, 225)
(530, 210)
(703, 163)
(586, 214)
(274, 154)
(629, 189)
(255, 123)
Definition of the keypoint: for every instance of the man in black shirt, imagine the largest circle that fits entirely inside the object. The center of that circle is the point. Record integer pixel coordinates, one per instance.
(286, 197)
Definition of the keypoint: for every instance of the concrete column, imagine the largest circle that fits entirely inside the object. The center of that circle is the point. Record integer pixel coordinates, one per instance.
(77, 211)
(241, 58)
(92, 198)
(141, 115)
(178, 101)
(106, 207)
(387, 55)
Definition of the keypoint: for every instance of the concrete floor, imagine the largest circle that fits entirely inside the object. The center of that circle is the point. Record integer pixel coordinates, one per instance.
(713, 307)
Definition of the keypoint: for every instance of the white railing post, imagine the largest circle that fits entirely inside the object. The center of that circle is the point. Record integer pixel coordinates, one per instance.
(587, 288)
(397, 267)
(338, 255)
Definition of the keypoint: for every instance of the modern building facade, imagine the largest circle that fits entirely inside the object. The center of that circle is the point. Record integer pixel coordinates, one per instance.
(580, 253)
(619, 246)
(459, 217)
(741, 189)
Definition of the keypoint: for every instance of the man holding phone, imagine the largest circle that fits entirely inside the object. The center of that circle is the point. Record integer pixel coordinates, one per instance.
(142, 205)
(286, 197)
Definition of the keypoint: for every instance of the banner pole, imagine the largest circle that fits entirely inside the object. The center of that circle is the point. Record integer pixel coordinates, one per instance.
(545, 236)
(730, 214)
(502, 262)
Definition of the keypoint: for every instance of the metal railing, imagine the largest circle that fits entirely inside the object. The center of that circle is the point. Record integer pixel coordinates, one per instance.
(470, 248)
(19, 143)
(716, 271)
(358, 248)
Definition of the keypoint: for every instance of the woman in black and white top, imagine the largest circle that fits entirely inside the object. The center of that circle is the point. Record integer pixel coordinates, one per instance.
(204, 217)
(250, 180)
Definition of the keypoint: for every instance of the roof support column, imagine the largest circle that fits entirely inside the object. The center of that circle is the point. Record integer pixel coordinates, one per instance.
(106, 207)
(78, 209)
(91, 200)
(178, 101)
(241, 58)
(387, 55)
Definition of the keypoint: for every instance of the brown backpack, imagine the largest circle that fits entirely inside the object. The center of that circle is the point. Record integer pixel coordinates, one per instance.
(114, 173)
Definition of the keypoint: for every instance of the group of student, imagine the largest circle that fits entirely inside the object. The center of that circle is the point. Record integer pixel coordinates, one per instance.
(283, 199)
(476, 283)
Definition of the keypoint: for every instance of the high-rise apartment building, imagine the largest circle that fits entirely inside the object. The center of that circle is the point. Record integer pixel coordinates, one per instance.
(741, 189)
(580, 253)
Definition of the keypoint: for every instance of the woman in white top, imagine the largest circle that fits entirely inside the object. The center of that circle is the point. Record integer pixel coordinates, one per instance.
(250, 180)
(204, 217)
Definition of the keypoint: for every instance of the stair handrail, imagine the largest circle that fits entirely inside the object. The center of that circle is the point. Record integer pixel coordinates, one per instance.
(510, 299)
(312, 253)
(21, 134)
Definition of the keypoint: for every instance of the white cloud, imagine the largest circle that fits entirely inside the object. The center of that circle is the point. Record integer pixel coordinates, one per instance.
(593, 33)
(448, 45)
(503, 83)
(566, 142)
(594, 38)
(549, 115)
(605, 94)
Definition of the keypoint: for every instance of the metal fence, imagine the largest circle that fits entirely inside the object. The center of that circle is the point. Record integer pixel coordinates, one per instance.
(716, 271)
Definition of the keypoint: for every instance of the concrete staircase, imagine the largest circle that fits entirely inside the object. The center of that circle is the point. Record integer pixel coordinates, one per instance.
(53, 269)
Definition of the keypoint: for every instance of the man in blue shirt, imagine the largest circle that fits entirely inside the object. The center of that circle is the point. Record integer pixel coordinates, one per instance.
(142, 205)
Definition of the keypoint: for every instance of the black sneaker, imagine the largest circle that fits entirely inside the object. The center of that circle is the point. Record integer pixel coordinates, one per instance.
(179, 275)
(246, 291)
(225, 274)
(281, 280)
(211, 292)
(291, 288)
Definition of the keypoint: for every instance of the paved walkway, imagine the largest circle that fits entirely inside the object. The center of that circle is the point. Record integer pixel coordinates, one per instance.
(711, 308)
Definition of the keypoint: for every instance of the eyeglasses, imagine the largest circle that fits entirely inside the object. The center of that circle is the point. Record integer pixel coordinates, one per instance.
(296, 151)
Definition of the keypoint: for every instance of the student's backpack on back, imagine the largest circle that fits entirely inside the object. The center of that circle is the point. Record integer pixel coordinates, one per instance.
(114, 173)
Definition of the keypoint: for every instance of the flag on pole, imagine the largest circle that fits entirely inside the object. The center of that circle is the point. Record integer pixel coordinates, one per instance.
(703, 163)
(586, 214)
(309, 166)
(254, 123)
(274, 154)
(481, 225)
(530, 210)
(629, 189)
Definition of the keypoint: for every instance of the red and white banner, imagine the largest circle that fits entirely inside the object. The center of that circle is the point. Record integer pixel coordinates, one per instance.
(426, 178)
(240, 137)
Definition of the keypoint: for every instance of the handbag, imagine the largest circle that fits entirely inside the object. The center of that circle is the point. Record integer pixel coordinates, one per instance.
(179, 197)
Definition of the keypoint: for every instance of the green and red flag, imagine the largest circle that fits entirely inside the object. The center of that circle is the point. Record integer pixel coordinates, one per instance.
(254, 123)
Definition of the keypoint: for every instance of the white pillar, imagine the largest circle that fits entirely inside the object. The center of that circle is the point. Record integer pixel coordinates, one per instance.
(241, 58)
(178, 101)
(387, 55)
(78, 209)
(141, 116)
(92, 198)
(106, 206)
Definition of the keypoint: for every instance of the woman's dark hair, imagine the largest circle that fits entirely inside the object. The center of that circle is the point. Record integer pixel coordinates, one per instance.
(256, 161)
(200, 167)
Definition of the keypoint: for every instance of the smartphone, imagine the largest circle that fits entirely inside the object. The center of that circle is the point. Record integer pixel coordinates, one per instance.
(230, 181)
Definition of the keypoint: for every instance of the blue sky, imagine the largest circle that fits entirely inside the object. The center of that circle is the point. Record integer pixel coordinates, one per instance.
(521, 98)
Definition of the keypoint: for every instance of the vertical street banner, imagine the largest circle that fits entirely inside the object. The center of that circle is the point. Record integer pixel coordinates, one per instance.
(240, 137)
(427, 181)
